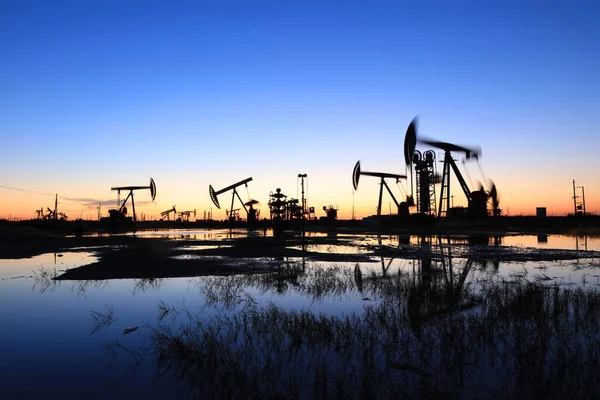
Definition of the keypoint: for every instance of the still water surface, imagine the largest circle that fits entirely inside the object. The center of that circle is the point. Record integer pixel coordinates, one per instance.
(52, 346)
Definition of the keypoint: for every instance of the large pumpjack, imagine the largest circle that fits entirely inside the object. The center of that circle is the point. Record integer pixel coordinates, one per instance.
(477, 200)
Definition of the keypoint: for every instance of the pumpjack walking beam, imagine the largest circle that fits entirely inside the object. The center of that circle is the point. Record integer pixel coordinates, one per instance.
(357, 172)
(131, 189)
(213, 194)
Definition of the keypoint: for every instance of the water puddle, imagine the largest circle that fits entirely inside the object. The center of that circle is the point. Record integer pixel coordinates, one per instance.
(562, 242)
(24, 267)
(541, 241)
(201, 247)
(189, 257)
(331, 248)
(397, 282)
(187, 234)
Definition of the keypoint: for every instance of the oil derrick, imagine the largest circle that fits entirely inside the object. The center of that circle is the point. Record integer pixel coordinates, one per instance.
(424, 165)
(578, 201)
(304, 210)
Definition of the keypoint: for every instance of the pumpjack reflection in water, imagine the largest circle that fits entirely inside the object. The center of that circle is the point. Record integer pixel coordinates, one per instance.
(288, 273)
(438, 291)
(359, 280)
(581, 243)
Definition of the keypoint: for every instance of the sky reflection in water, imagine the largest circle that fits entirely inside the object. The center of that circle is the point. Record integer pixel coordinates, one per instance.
(48, 348)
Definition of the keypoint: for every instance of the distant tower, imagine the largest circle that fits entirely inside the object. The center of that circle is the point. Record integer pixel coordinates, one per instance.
(578, 206)
(302, 176)
(56, 206)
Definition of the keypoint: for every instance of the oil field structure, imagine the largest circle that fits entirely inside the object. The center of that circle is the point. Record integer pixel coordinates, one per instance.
(51, 214)
(402, 207)
(426, 197)
(120, 214)
(426, 178)
(421, 165)
(166, 215)
(184, 216)
(233, 214)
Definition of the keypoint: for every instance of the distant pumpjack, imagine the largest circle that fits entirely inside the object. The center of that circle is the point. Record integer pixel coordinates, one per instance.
(357, 172)
(53, 214)
(184, 216)
(331, 213)
(39, 214)
(122, 211)
(167, 214)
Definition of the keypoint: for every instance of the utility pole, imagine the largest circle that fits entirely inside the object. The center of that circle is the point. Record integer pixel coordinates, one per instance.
(574, 199)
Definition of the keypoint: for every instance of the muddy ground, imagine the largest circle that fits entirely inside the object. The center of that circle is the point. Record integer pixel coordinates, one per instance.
(154, 257)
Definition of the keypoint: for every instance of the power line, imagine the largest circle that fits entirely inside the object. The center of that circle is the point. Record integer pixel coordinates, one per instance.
(540, 188)
(44, 194)
(25, 190)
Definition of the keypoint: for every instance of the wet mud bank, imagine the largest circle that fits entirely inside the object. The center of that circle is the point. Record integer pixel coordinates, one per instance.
(162, 258)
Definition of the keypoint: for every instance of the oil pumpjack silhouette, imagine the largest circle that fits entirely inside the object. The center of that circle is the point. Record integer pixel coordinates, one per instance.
(167, 214)
(423, 165)
(232, 214)
(120, 214)
(402, 207)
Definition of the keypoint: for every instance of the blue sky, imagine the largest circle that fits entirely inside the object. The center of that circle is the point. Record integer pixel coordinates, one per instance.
(98, 93)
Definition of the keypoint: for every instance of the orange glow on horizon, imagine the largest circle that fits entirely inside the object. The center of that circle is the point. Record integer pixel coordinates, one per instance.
(22, 205)
(24, 208)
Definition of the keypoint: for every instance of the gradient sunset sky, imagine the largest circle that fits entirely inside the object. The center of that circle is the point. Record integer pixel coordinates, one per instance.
(96, 94)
